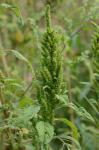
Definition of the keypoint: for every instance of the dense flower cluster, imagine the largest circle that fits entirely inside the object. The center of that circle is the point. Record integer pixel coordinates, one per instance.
(51, 71)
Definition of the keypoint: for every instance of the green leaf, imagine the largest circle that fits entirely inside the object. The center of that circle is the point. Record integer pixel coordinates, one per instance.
(18, 13)
(62, 98)
(69, 138)
(5, 5)
(26, 101)
(15, 9)
(81, 111)
(13, 82)
(30, 112)
(23, 116)
(19, 55)
(22, 58)
(71, 125)
(29, 147)
(45, 131)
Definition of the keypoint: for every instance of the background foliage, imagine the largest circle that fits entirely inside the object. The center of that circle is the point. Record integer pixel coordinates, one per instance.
(76, 125)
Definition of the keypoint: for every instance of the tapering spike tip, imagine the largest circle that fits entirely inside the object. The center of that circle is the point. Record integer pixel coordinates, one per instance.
(48, 17)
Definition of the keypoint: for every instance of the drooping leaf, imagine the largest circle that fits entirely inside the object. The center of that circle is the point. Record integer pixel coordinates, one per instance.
(81, 111)
(22, 58)
(19, 55)
(72, 126)
(15, 9)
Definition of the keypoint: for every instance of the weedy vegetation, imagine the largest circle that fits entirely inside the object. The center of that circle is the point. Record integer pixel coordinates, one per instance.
(49, 75)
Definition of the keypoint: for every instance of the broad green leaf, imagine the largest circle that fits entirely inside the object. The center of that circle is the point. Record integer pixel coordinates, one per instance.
(45, 131)
(23, 116)
(30, 112)
(26, 101)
